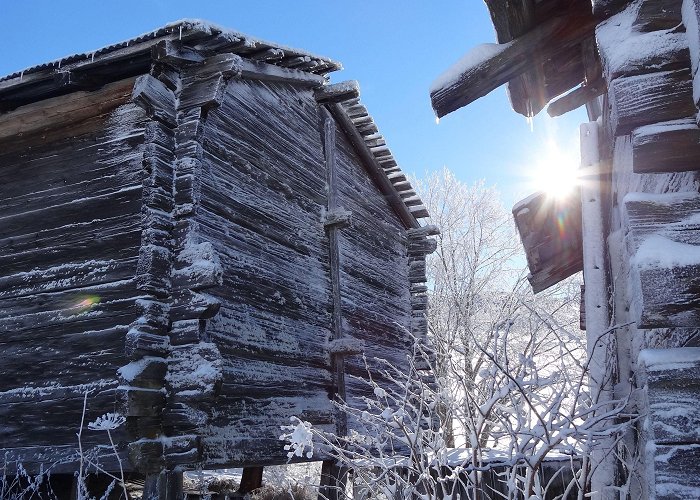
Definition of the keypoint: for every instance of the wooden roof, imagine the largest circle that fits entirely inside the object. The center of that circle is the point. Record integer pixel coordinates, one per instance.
(132, 57)
(546, 49)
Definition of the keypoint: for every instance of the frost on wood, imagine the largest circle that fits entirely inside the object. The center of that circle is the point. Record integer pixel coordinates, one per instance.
(625, 51)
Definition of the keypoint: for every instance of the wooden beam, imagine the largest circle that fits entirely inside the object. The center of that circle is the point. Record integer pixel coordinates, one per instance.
(666, 147)
(338, 92)
(60, 111)
(156, 99)
(337, 362)
(512, 20)
(606, 8)
(174, 52)
(258, 70)
(333, 480)
(577, 98)
(515, 58)
(593, 71)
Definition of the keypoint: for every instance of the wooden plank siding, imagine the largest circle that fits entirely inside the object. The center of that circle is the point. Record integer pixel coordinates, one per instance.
(70, 233)
(374, 277)
(263, 198)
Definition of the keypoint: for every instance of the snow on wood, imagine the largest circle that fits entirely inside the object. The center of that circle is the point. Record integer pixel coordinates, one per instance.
(625, 50)
(664, 243)
(470, 61)
(182, 261)
(650, 98)
(672, 146)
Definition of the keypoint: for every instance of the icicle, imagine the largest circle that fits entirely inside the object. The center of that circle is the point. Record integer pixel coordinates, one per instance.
(59, 63)
(21, 75)
(531, 123)
(92, 57)
(437, 120)
(180, 32)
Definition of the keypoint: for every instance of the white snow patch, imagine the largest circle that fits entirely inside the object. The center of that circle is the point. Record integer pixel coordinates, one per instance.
(669, 126)
(664, 198)
(658, 252)
(668, 359)
(469, 62)
(621, 46)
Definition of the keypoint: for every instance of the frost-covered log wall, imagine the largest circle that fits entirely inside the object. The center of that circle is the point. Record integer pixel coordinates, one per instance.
(208, 249)
(71, 235)
(649, 140)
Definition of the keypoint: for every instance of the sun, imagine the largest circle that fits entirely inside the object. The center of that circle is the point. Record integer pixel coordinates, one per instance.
(555, 172)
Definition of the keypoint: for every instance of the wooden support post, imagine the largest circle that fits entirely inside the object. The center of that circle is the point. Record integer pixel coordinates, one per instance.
(337, 361)
(333, 481)
(250, 480)
(165, 485)
(596, 303)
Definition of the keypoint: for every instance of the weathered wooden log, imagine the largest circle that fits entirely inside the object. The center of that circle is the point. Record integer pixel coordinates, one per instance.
(181, 418)
(577, 98)
(197, 266)
(674, 215)
(138, 344)
(510, 22)
(188, 331)
(156, 99)
(188, 304)
(267, 72)
(153, 270)
(605, 8)
(419, 211)
(138, 402)
(60, 111)
(509, 61)
(268, 55)
(339, 92)
(182, 450)
(624, 51)
(672, 380)
(672, 146)
(676, 471)
(147, 373)
(655, 15)
(664, 239)
(651, 98)
(421, 246)
(203, 93)
(427, 230)
(175, 53)
(416, 273)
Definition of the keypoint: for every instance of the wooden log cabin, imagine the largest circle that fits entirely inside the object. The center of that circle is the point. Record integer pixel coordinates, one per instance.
(634, 66)
(201, 233)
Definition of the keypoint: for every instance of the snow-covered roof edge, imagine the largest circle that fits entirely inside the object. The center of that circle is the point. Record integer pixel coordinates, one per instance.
(191, 30)
(363, 122)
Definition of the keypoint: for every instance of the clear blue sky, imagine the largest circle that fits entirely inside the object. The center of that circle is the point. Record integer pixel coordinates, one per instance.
(393, 48)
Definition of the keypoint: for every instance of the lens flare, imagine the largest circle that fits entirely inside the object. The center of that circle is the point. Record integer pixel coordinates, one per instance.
(85, 303)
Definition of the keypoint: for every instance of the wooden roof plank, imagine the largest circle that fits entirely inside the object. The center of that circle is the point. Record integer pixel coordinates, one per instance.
(512, 60)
